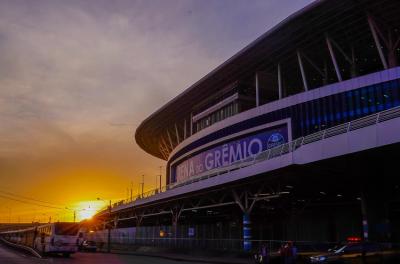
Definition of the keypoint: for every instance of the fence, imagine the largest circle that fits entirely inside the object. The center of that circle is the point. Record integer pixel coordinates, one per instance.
(229, 245)
(130, 242)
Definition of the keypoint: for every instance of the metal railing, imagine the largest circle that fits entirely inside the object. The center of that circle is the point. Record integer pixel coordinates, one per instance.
(126, 243)
(277, 151)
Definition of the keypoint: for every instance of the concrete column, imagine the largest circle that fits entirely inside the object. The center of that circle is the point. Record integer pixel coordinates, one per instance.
(247, 244)
(364, 218)
(375, 220)
(175, 228)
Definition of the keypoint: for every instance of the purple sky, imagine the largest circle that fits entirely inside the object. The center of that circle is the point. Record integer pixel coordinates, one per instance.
(77, 77)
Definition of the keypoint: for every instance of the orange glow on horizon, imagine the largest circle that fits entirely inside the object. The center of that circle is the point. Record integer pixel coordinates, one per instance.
(87, 209)
(71, 190)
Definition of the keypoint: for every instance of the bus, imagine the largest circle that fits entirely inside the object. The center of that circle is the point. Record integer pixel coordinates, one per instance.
(52, 238)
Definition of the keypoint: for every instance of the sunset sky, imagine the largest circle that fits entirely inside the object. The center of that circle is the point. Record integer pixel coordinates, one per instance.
(78, 77)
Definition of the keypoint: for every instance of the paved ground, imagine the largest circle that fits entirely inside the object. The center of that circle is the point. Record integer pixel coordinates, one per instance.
(12, 256)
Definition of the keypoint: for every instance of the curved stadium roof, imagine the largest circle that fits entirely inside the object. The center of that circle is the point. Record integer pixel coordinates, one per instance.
(344, 20)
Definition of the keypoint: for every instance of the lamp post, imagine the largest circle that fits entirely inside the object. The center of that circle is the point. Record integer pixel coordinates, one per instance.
(131, 190)
(160, 176)
(108, 226)
(142, 185)
(74, 212)
(9, 214)
(44, 217)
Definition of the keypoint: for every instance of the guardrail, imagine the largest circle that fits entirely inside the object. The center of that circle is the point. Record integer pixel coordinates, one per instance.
(22, 247)
(278, 151)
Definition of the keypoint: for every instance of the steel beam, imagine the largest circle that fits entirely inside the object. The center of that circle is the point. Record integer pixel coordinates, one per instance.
(257, 90)
(303, 74)
(177, 134)
(238, 201)
(184, 129)
(377, 42)
(341, 51)
(191, 124)
(165, 144)
(333, 58)
(209, 206)
(353, 71)
(170, 140)
(314, 65)
(392, 59)
(155, 214)
(387, 40)
(280, 81)
(162, 150)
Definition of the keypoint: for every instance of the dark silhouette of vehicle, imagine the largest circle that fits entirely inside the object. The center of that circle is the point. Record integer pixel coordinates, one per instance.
(89, 246)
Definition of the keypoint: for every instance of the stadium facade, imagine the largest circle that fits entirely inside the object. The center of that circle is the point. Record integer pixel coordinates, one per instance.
(296, 137)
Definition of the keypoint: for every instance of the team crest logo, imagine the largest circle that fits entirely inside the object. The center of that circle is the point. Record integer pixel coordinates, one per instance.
(275, 139)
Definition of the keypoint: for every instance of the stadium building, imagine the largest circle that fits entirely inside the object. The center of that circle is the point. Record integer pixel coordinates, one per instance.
(296, 137)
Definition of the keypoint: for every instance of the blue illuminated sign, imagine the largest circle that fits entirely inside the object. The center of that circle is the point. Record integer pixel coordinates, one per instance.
(230, 152)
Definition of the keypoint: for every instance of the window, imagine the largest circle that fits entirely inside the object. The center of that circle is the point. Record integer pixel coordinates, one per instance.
(343, 107)
(387, 95)
(396, 97)
(371, 99)
(364, 101)
(379, 98)
(350, 104)
(219, 115)
(357, 99)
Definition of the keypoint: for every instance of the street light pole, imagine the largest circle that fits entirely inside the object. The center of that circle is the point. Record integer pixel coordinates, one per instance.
(9, 214)
(158, 185)
(74, 212)
(142, 185)
(109, 229)
(160, 175)
(131, 190)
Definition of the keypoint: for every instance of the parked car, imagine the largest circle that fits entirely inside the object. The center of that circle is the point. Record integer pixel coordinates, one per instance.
(88, 245)
(346, 253)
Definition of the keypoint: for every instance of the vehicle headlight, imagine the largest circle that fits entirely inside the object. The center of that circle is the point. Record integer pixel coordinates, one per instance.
(317, 259)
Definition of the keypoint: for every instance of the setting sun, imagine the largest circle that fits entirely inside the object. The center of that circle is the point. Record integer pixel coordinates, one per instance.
(86, 209)
(85, 215)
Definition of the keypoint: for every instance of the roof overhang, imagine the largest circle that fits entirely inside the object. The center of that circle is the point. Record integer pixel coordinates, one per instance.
(343, 19)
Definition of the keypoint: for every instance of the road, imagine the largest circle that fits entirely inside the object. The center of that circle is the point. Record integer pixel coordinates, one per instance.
(11, 256)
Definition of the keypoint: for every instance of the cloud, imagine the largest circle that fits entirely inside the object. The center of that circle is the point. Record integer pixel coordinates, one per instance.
(71, 70)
